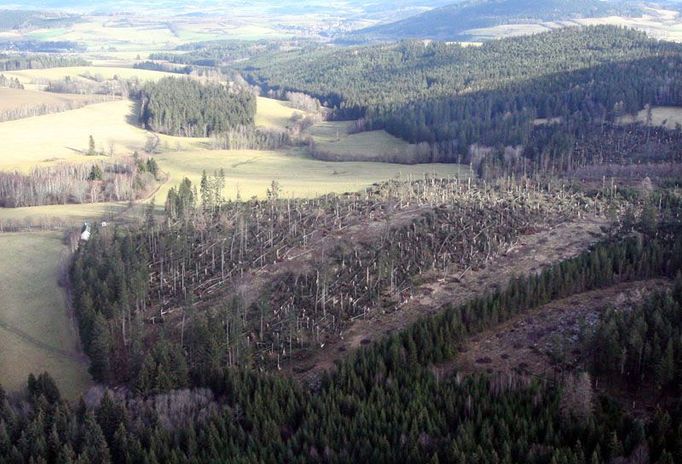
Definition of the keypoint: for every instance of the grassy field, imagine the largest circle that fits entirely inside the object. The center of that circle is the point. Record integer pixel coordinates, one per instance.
(12, 99)
(29, 76)
(58, 215)
(36, 333)
(250, 173)
(107, 33)
(27, 142)
(274, 113)
(668, 116)
(335, 141)
(64, 136)
(102, 33)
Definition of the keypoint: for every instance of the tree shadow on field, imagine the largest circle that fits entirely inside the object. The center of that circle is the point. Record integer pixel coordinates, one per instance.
(133, 118)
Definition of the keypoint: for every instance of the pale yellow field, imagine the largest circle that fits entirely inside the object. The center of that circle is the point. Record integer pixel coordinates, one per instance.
(62, 216)
(274, 113)
(64, 136)
(117, 58)
(249, 173)
(668, 116)
(31, 141)
(12, 99)
(105, 33)
(44, 139)
(29, 76)
(333, 138)
(36, 332)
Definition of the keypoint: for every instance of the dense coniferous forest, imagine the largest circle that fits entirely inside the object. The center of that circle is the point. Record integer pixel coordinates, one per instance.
(163, 67)
(225, 52)
(452, 97)
(186, 107)
(643, 346)
(33, 61)
(44, 46)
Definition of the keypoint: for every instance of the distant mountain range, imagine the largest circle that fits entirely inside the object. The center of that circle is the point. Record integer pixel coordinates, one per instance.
(389, 19)
(453, 22)
(371, 8)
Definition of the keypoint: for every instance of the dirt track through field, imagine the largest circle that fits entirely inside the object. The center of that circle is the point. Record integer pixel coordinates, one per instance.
(40, 344)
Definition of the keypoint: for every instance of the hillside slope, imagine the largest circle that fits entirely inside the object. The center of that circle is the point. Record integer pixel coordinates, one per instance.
(454, 22)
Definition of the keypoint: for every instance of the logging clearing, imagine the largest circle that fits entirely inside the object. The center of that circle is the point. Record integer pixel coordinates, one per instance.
(284, 277)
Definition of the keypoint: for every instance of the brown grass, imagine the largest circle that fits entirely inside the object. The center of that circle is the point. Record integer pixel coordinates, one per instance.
(13, 99)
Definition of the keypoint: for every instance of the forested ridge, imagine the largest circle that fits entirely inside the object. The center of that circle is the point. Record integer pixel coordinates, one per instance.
(452, 97)
(414, 70)
(189, 108)
(225, 52)
(27, 19)
(456, 21)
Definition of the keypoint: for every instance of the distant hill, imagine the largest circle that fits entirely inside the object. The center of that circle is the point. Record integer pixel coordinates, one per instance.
(24, 19)
(454, 21)
(362, 8)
